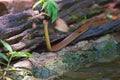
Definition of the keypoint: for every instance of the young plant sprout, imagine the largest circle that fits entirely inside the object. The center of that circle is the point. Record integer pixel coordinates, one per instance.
(51, 9)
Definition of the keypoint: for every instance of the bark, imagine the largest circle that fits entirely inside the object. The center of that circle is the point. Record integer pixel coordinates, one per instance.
(24, 30)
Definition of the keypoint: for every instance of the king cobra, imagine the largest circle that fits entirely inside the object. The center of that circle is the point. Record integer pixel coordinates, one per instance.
(74, 34)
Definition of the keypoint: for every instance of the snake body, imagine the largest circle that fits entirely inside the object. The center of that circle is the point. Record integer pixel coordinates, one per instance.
(73, 35)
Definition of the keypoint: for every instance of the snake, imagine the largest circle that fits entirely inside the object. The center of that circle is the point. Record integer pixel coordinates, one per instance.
(82, 29)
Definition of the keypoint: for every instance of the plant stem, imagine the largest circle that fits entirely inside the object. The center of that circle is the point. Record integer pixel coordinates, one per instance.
(47, 39)
(8, 65)
(3, 63)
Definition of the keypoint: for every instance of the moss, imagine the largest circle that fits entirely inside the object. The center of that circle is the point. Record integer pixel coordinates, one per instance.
(95, 11)
(105, 53)
(74, 16)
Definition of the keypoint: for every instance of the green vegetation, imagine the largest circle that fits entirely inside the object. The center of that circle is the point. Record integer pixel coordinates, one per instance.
(13, 54)
(38, 72)
(96, 11)
(109, 16)
(50, 7)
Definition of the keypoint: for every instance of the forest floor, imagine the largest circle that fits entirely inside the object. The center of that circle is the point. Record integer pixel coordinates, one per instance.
(87, 59)
(94, 58)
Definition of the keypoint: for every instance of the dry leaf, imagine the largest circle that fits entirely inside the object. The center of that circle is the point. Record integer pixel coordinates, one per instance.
(6, 78)
(34, 25)
(61, 25)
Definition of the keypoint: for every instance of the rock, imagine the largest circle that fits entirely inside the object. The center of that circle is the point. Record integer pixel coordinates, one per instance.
(28, 78)
(24, 63)
(85, 45)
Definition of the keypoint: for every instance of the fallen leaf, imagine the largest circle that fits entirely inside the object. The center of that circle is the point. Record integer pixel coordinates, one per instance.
(6, 78)
(61, 25)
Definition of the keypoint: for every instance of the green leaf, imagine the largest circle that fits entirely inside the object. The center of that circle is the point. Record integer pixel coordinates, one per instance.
(21, 54)
(84, 17)
(109, 16)
(6, 45)
(37, 3)
(54, 15)
(4, 56)
(49, 10)
(54, 3)
(44, 5)
(50, 7)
